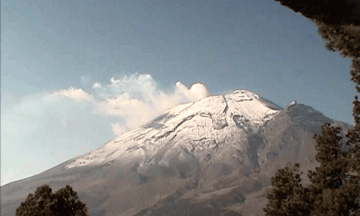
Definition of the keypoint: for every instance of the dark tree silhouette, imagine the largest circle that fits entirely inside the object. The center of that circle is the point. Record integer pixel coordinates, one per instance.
(334, 188)
(45, 203)
(288, 196)
(330, 12)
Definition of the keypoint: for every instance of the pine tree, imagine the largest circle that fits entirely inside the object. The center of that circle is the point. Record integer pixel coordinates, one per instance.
(334, 188)
(288, 197)
(330, 12)
(45, 203)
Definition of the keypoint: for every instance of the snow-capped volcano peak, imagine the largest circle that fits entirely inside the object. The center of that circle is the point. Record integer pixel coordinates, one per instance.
(212, 155)
(208, 120)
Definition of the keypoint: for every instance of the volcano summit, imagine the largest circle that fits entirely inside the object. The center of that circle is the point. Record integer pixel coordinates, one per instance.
(214, 156)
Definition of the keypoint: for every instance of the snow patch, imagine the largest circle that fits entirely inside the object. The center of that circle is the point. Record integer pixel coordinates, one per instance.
(196, 127)
(293, 103)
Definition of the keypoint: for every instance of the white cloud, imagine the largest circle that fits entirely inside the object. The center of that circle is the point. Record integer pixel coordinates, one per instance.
(96, 85)
(118, 129)
(74, 94)
(132, 111)
(136, 99)
(32, 129)
(196, 92)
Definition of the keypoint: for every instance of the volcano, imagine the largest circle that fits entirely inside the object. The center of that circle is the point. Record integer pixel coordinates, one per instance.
(215, 156)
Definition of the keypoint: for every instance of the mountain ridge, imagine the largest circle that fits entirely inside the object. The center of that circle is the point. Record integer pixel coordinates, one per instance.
(213, 155)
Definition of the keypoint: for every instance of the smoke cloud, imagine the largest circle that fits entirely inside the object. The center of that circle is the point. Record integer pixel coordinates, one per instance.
(137, 99)
(71, 121)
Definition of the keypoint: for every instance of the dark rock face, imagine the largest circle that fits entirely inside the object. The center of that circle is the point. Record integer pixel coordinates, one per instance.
(215, 162)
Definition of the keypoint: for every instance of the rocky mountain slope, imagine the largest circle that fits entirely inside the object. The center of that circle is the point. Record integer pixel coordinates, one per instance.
(211, 157)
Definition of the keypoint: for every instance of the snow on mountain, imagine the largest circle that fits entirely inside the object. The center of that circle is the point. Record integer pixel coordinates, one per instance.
(195, 126)
(306, 116)
(215, 156)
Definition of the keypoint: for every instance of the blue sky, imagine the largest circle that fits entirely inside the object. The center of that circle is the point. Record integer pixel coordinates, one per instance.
(77, 73)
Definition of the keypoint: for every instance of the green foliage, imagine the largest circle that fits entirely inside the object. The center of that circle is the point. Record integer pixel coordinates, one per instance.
(288, 196)
(353, 137)
(336, 191)
(355, 77)
(344, 39)
(45, 203)
(330, 12)
(334, 188)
